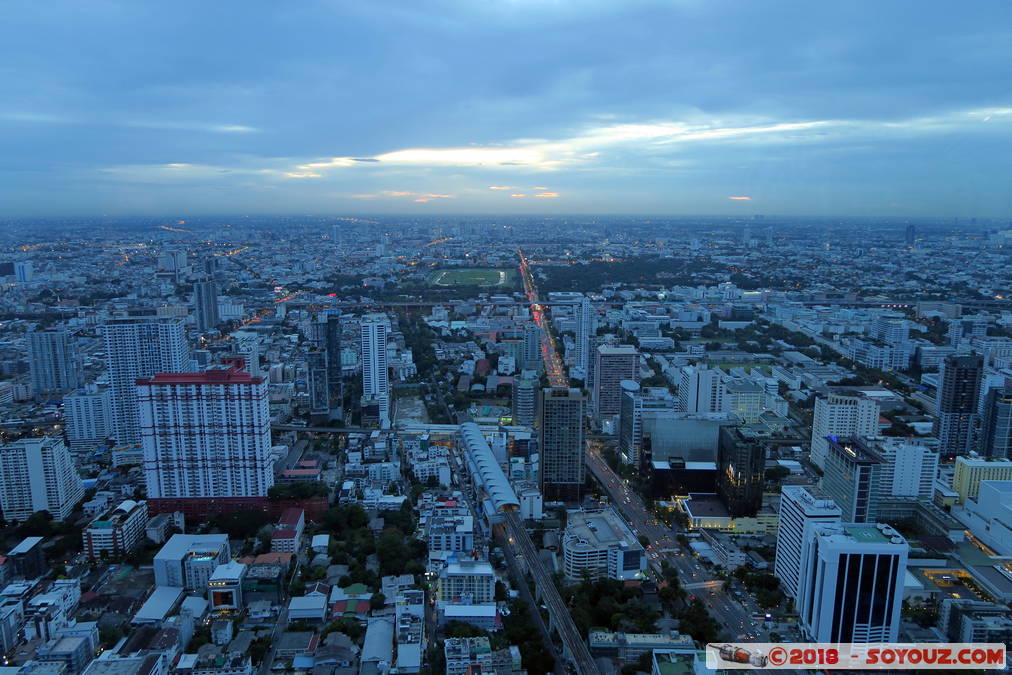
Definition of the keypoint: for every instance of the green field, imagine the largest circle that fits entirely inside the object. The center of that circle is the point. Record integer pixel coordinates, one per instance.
(472, 277)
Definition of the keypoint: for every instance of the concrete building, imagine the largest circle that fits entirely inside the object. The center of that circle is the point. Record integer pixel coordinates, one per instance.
(584, 332)
(701, 390)
(525, 399)
(467, 582)
(996, 424)
(54, 362)
(224, 587)
(561, 443)
(635, 405)
(118, 531)
(741, 470)
(375, 374)
(969, 471)
(851, 584)
(841, 415)
(600, 544)
(799, 506)
(956, 404)
(188, 560)
(38, 474)
(88, 418)
(989, 516)
(137, 348)
(335, 369)
(612, 366)
(205, 305)
(965, 620)
(207, 441)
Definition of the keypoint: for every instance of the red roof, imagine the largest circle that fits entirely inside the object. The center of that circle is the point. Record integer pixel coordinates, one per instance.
(291, 516)
(283, 534)
(230, 376)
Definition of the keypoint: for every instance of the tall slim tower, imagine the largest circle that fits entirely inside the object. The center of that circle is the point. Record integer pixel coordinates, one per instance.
(206, 440)
(798, 507)
(841, 414)
(205, 305)
(136, 348)
(741, 466)
(584, 330)
(561, 443)
(956, 402)
(612, 365)
(54, 361)
(532, 348)
(375, 374)
(335, 374)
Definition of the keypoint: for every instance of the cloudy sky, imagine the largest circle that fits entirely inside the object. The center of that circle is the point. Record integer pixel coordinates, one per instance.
(506, 106)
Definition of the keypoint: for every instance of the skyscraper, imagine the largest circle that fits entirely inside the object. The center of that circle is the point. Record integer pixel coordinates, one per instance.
(584, 330)
(335, 373)
(996, 428)
(88, 417)
(561, 443)
(798, 507)
(375, 375)
(741, 471)
(54, 361)
(319, 401)
(533, 357)
(853, 475)
(851, 582)
(205, 305)
(841, 414)
(956, 402)
(525, 399)
(136, 348)
(207, 441)
(38, 474)
(612, 365)
(701, 390)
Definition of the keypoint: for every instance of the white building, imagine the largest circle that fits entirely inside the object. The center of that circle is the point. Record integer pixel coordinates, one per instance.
(38, 474)
(989, 516)
(188, 560)
(54, 361)
(798, 507)
(600, 543)
(467, 581)
(136, 348)
(205, 435)
(88, 417)
(117, 532)
(851, 585)
(584, 332)
(701, 390)
(841, 415)
(375, 374)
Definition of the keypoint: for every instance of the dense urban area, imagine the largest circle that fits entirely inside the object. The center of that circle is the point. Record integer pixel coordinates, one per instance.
(250, 445)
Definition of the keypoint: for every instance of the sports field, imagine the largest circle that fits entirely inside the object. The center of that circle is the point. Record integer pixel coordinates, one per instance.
(472, 277)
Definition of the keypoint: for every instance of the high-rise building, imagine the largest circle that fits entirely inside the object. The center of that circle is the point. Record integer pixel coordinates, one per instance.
(969, 471)
(205, 305)
(319, 400)
(996, 427)
(375, 375)
(701, 390)
(841, 414)
(798, 507)
(853, 475)
(910, 235)
(525, 399)
(136, 348)
(741, 470)
(54, 361)
(851, 586)
(956, 404)
(24, 272)
(533, 356)
(335, 372)
(88, 417)
(584, 331)
(612, 365)
(561, 443)
(206, 441)
(38, 474)
(630, 425)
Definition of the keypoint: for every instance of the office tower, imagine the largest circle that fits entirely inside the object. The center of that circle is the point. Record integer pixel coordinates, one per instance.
(891, 328)
(319, 400)
(799, 506)
(839, 414)
(88, 418)
(635, 403)
(956, 404)
(741, 471)
(38, 474)
(205, 305)
(584, 331)
(533, 355)
(910, 235)
(139, 348)
(701, 390)
(851, 586)
(54, 361)
(335, 372)
(206, 439)
(996, 427)
(745, 399)
(853, 474)
(561, 443)
(375, 376)
(970, 620)
(525, 399)
(611, 366)
(24, 272)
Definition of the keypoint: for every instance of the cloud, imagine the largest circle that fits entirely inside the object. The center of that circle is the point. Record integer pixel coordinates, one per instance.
(540, 188)
(517, 195)
(547, 195)
(397, 194)
(500, 187)
(740, 199)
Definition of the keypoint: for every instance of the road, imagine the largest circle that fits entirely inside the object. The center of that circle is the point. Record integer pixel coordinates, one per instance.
(734, 615)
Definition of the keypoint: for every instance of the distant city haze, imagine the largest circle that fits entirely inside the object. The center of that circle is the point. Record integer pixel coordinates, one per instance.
(897, 109)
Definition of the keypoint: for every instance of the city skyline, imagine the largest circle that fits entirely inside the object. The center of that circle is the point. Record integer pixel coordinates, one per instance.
(638, 108)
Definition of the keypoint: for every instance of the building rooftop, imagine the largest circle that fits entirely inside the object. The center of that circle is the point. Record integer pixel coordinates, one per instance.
(600, 529)
(230, 376)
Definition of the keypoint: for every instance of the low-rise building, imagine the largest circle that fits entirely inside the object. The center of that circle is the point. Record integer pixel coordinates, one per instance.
(117, 532)
(600, 544)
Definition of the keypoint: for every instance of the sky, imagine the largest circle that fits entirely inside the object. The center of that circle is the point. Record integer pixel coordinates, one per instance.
(506, 107)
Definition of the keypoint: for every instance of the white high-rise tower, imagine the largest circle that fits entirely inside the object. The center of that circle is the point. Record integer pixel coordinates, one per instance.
(375, 374)
(798, 507)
